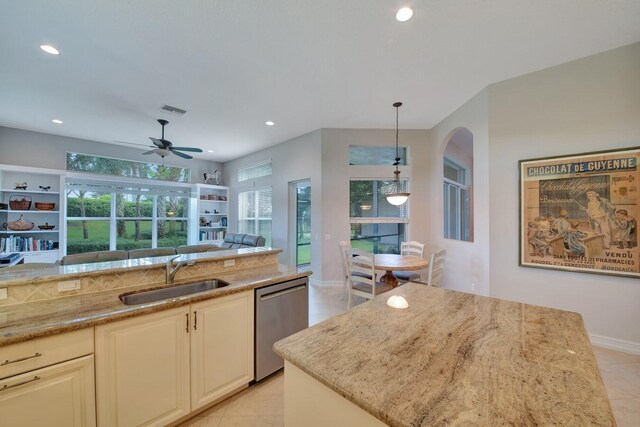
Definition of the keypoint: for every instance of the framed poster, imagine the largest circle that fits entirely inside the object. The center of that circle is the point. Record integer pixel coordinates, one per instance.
(579, 213)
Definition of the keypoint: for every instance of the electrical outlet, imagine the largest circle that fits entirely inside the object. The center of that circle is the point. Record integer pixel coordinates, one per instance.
(473, 288)
(229, 262)
(69, 285)
(3, 293)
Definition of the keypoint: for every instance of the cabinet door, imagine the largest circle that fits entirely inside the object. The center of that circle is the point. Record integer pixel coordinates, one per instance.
(59, 395)
(221, 347)
(142, 369)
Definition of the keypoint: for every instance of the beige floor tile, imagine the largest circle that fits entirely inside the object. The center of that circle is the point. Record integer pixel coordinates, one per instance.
(252, 421)
(253, 404)
(215, 411)
(604, 356)
(622, 380)
(202, 422)
(626, 412)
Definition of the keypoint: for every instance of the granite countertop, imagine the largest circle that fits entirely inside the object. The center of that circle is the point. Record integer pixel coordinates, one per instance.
(456, 358)
(22, 322)
(19, 277)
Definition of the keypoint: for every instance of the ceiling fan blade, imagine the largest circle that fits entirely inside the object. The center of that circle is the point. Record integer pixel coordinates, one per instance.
(158, 143)
(193, 149)
(149, 152)
(179, 154)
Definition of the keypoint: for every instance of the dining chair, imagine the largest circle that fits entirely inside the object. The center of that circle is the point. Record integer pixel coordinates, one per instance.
(344, 247)
(436, 268)
(361, 275)
(409, 248)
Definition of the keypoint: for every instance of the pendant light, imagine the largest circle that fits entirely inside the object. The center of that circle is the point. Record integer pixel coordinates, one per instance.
(396, 196)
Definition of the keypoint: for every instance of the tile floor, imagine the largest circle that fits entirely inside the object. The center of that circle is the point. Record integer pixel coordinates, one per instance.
(262, 404)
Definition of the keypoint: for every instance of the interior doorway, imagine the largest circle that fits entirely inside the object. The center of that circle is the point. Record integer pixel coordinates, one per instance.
(303, 223)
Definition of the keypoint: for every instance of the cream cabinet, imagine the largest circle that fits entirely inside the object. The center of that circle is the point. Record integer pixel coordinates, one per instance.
(48, 381)
(221, 347)
(155, 369)
(142, 369)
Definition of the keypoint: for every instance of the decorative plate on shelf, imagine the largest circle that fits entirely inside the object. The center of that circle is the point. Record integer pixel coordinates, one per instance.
(46, 226)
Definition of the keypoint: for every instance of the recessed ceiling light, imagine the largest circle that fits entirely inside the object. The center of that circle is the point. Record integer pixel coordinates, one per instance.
(404, 14)
(209, 151)
(269, 123)
(50, 49)
(57, 121)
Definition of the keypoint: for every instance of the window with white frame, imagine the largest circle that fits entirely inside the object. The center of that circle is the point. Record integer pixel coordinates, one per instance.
(376, 225)
(115, 215)
(254, 213)
(456, 202)
(255, 171)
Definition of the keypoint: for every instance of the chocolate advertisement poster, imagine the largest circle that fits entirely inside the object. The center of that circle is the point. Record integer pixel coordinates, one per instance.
(579, 213)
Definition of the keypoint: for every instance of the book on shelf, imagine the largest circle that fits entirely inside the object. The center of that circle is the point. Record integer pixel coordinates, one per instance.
(211, 235)
(26, 244)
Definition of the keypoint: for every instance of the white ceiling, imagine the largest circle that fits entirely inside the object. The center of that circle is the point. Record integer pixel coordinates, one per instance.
(305, 64)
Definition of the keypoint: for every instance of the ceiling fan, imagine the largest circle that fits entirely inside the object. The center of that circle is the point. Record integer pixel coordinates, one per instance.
(163, 147)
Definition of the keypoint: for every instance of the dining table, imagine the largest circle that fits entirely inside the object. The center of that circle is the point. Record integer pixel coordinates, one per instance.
(394, 262)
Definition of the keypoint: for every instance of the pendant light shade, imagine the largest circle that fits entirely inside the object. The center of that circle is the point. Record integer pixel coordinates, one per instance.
(396, 196)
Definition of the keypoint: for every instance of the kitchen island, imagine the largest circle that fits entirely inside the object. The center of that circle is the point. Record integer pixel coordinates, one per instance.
(449, 359)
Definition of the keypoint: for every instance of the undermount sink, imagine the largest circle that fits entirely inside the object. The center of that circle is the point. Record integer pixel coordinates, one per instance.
(142, 297)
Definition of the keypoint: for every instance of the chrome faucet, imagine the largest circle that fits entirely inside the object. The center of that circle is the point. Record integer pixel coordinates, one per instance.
(171, 270)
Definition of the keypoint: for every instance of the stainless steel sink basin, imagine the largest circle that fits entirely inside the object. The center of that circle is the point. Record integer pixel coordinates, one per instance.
(142, 297)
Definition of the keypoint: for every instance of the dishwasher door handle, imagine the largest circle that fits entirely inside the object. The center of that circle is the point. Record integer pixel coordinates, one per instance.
(282, 292)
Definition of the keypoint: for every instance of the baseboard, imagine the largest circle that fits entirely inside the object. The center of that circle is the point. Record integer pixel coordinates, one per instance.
(317, 282)
(615, 344)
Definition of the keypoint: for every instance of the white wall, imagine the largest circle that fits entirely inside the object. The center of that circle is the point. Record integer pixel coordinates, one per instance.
(295, 160)
(585, 105)
(336, 173)
(27, 148)
(467, 263)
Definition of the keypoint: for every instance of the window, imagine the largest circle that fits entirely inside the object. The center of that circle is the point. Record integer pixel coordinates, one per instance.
(255, 171)
(114, 215)
(376, 225)
(367, 155)
(129, 168)
(456, 202)
(254, 213)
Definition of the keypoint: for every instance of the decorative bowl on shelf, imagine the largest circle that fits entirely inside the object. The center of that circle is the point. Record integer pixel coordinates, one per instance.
(45, 206)
(19, 225)
(46, 226)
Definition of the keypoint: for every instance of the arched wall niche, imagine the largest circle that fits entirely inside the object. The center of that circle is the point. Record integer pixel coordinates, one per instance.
(457, 159)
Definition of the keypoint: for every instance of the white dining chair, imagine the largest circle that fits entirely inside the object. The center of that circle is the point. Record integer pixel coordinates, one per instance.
(409, 248)
(436, 268)
(361, 276)
(344, 247)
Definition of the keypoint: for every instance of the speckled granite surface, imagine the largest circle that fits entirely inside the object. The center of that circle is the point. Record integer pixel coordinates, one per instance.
(25, 321)
(456, 359)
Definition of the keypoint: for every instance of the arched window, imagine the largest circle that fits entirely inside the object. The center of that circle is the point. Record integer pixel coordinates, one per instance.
(458, 186)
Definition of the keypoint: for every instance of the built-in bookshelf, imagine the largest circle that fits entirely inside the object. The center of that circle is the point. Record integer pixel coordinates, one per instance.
(43, 186)
(213, 210)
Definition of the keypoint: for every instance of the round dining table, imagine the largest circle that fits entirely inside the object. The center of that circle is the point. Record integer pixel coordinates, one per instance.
(394, 262)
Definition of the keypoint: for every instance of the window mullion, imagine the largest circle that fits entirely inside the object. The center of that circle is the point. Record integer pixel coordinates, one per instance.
(112, 223)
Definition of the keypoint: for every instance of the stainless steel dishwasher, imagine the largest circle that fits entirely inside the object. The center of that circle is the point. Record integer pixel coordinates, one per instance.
(281, 310)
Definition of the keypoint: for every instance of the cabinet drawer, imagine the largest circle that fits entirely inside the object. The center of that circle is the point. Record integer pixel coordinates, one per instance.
(36, 353)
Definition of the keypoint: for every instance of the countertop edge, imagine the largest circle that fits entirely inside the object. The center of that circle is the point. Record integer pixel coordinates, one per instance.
(125, 312)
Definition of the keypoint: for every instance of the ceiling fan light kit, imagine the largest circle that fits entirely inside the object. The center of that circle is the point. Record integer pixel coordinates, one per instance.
(163, 147)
